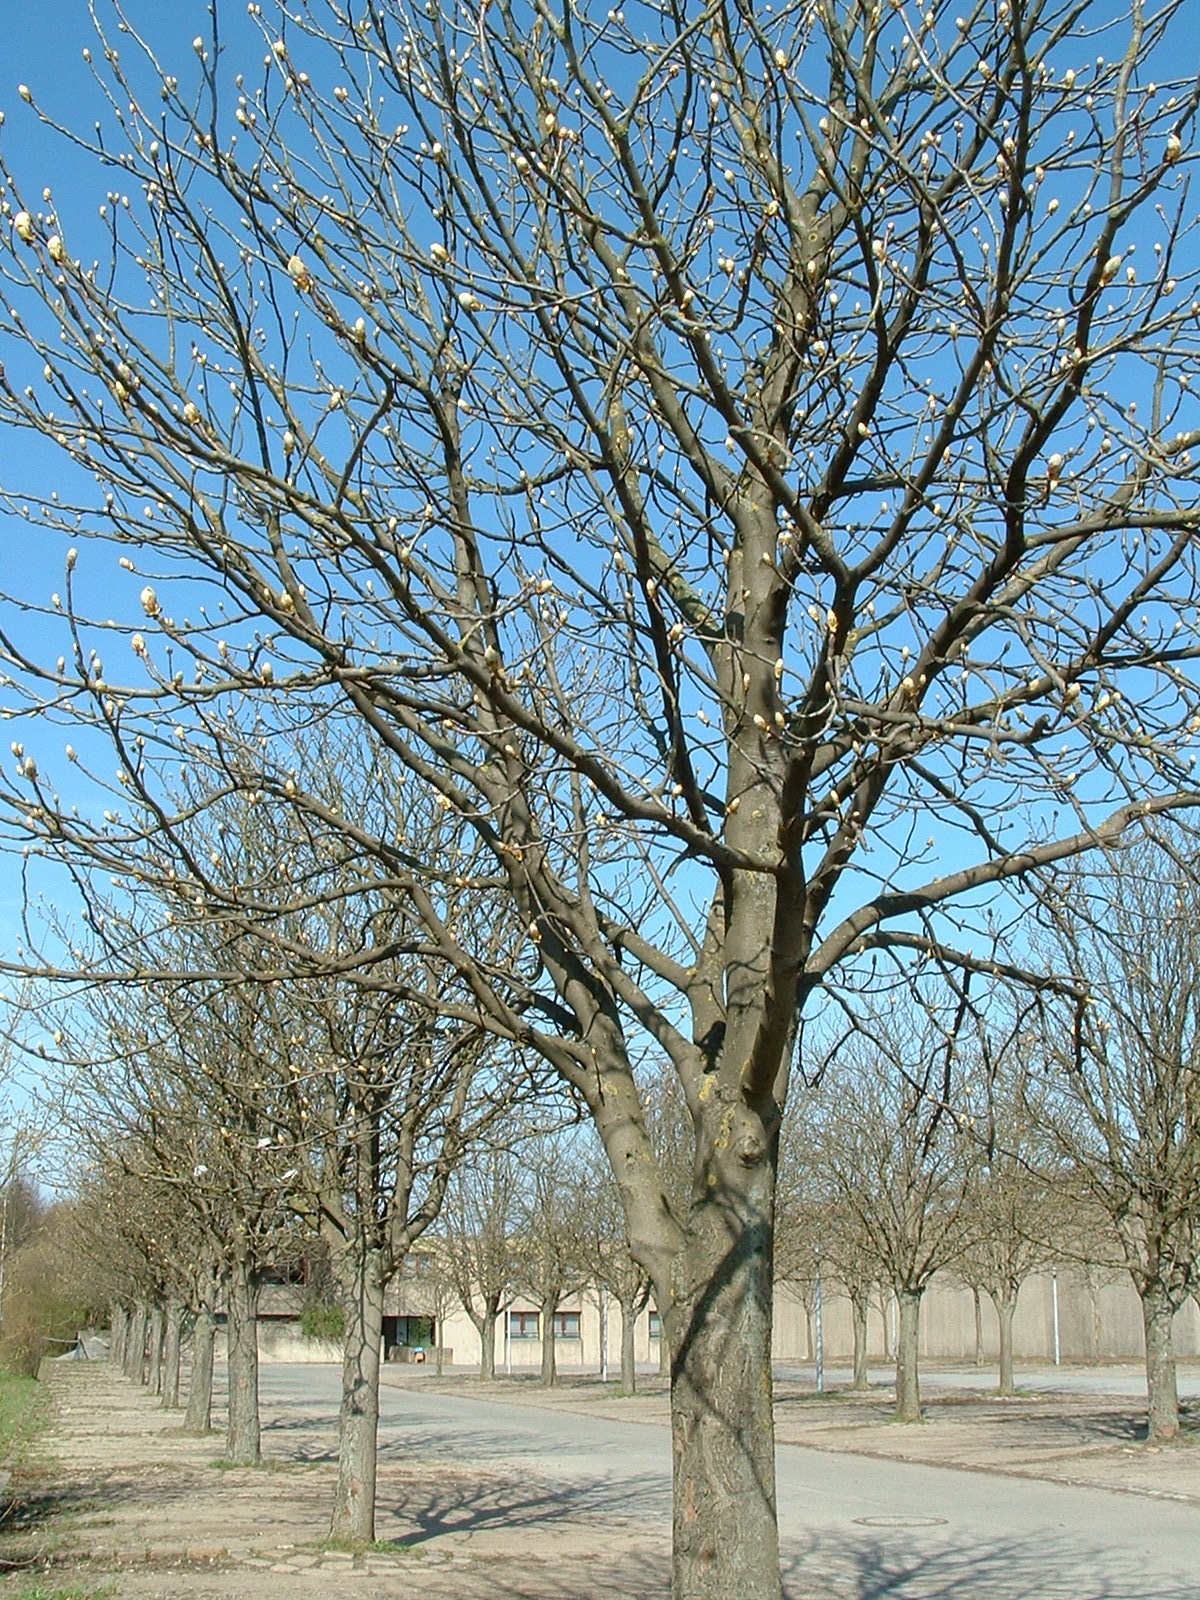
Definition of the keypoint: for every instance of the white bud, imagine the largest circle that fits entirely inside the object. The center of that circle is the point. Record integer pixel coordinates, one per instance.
(23, 227)
(150, 603)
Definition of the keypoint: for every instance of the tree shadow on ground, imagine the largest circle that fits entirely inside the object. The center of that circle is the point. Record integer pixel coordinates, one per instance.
(36, 1502)
(465, 1504)
(860, 1565)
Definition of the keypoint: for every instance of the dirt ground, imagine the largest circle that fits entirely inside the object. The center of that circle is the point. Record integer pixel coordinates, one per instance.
(117, 1500)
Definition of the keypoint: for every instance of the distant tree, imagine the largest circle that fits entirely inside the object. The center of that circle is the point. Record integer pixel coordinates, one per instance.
(894, 1155)
(551, 1254)
(479, 1237)
(1121, 1092)
(605, 1257)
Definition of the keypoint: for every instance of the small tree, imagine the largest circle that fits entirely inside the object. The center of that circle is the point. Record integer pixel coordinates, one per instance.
(550, 1257)
(894, 1155)
(1121, 1097)
(479, 1236)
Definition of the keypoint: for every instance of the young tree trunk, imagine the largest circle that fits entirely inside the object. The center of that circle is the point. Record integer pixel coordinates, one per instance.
(439, 1346)
(860, 1305)
(1158, 1316)
(1005, 1303)
(172, 1338)
(198, 1416)
(978, 1299)
(908, 1387)
(361, 1281)
(549, 1373)
(726, 1540)
(155, 1365)
(628, 1352)
(243, 1444)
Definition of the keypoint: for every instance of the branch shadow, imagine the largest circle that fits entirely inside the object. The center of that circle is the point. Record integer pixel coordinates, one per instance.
(860, 1566)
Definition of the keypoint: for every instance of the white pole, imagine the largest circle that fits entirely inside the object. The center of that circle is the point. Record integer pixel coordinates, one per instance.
(603, 1334)
(1054, 1303)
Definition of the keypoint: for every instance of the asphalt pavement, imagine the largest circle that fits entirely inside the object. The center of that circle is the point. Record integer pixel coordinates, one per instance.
(853, 1527)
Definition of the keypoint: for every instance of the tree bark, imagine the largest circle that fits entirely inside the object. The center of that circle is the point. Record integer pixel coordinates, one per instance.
(549, 1372)
(908, 1387)
(118, 1334)
(486, 1326)
(172, 1338)
(726, 1540)
(243, 1444)
(155, 1365)
(198, 1417)
(361, 1281)
(860, 1305)
(1005, 1302)
(1162, 1393)
(978, 1299)
(135, 1348)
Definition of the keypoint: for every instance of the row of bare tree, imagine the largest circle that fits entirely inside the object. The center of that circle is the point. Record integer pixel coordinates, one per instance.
(734, 469)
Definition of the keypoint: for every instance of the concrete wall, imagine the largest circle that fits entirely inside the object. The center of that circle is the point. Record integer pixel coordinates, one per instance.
(1099, 1319)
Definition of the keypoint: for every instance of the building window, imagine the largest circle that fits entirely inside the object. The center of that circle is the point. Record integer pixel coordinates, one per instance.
(655, 1326)
(566, 1325)
(522, 1325)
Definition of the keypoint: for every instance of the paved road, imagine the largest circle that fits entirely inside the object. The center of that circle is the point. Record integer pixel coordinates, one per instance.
(859, 1528)
(1127, 1380)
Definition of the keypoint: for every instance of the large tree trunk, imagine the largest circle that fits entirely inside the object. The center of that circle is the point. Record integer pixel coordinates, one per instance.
(908, 1387)
(1158, 1316)
(198, 1416)
(155, 1365)
(1005, 1302)
(243, 1444)
(135, 1348)
(726, 1540)
(172, 1338)
(549, 1373)
(628, 1352)
(361, 1280)
(486, 1324)
(118, 1334)
(860, 1305)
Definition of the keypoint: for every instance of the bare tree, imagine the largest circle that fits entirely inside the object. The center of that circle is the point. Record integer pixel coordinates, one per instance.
(715, 454)
(1019, 1205)
(606, 1261)
(1122, 1094)
(169, 1076)
(894, 1154)
(478, 1234)
(550, 1254)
